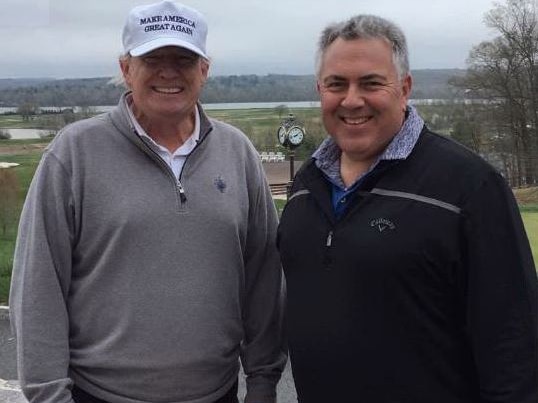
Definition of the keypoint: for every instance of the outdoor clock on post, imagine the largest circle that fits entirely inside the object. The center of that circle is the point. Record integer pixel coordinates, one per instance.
(295, 136)
(291, 134)
(283, 136)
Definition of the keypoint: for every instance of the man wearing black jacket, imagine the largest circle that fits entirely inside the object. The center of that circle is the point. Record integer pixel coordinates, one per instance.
(410, 277)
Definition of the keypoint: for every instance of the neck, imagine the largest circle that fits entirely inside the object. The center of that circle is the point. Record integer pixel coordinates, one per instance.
(351, 169)
(169, 133)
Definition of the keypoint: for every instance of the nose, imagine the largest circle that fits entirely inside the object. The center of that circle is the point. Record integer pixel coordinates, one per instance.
(353, 98)
(168, 70)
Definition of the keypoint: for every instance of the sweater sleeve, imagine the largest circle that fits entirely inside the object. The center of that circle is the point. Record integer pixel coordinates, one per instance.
(264, 352)
(40, 283)
(501, 296)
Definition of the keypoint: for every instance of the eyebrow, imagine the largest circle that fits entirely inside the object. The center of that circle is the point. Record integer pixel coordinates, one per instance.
(333, 78)
(373, 76)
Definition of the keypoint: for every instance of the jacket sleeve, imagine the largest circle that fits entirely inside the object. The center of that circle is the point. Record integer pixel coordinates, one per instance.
(264, 351)
(40, 283)
(501, 296)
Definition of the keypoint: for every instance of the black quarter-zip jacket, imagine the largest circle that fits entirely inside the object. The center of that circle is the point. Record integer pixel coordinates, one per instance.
(425, 291)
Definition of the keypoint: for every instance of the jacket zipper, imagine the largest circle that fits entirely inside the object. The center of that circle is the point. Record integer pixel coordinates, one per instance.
(177, 181)
(328, 244)
(179, 187)
(182, 195)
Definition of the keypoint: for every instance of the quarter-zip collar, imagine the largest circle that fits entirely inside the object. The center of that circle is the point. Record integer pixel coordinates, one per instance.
(176, 159)
(120, 119)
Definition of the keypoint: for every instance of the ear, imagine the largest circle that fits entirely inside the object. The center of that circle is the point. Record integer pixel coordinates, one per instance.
(318, 87)
(407, 84)
(125, 70)
(204, 66)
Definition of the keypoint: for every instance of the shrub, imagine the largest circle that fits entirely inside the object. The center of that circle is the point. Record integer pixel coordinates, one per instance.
(4, 134)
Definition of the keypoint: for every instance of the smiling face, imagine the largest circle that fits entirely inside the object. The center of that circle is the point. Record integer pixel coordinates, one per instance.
(165, 83)
(362, 99)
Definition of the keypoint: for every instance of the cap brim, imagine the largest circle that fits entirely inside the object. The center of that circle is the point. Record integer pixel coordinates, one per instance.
(162, 42)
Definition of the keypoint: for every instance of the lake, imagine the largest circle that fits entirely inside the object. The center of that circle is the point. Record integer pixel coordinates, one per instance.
(257, 105)
(225, 105)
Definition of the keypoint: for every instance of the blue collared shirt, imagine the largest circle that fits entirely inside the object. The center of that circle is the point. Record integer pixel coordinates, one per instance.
(327, 158)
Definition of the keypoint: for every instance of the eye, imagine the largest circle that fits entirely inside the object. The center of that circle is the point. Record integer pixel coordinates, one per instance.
(186, 61)
(335, 86)
(372, 85)
(150, 60)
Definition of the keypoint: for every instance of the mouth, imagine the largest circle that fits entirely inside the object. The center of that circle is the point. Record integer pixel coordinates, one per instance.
(168, 90)
(355, 121)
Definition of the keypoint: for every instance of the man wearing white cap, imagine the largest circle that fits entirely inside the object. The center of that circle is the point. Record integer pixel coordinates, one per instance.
(145, 265)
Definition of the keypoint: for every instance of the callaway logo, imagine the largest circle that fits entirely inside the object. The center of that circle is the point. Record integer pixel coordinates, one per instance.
(382, 224)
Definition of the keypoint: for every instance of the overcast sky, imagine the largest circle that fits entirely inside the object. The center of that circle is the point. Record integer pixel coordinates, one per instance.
(70, 38)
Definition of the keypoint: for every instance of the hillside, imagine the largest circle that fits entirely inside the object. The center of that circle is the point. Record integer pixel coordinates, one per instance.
(6, 83)
(432, 83)
(243, 88)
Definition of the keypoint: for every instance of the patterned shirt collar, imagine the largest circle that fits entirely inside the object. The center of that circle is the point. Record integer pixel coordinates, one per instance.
(327, 156)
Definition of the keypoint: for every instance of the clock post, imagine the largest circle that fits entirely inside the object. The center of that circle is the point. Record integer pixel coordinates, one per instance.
(292, 169)
(291, 134)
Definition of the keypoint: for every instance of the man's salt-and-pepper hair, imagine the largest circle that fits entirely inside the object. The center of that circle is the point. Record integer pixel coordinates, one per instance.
(367, 27)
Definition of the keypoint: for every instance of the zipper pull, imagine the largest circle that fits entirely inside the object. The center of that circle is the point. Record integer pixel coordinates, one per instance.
(182, 195)
(327, 256)
(329, 239)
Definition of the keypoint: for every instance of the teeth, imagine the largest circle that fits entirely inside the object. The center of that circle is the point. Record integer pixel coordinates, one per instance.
(168, 90)
(355, 121)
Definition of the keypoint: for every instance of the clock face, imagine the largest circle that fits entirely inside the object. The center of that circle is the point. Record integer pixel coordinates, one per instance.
(296, 135)
(282, 135)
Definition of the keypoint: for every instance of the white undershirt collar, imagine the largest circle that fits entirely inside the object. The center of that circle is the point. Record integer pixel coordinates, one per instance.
(177, 159)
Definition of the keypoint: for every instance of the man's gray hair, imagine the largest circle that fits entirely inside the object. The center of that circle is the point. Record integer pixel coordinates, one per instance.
(367, 27)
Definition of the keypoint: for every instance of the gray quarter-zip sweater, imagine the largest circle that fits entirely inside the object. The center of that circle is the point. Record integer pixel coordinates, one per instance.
(139, 287)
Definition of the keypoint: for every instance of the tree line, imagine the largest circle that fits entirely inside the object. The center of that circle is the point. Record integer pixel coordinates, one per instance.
(234, 88)
(504, 71)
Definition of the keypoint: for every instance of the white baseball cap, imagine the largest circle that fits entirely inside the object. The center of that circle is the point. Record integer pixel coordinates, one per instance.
(166, 23)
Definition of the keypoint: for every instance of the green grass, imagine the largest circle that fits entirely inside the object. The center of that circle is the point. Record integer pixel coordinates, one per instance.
(530, 219)
(528, 208)
(261, 127)
(7, 246)
(25, 171)
(279, 204)
(12, 142)
(24, 174)
(16, 122)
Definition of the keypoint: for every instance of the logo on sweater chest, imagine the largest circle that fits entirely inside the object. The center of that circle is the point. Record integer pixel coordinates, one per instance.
(382, 224)
(220, 184)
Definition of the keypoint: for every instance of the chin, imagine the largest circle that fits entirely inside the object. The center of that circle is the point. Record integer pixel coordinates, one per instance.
(353, 146)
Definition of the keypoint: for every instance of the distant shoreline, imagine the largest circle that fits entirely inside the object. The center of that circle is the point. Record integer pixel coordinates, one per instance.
(250, 105)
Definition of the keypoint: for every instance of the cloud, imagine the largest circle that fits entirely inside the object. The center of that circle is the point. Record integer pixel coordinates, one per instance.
(17, 14)
(67, 38)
